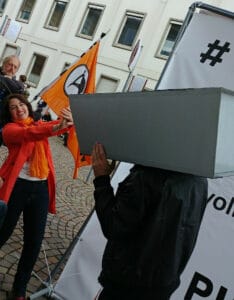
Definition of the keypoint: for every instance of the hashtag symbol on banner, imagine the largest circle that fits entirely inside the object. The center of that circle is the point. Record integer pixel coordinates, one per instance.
(219, 51)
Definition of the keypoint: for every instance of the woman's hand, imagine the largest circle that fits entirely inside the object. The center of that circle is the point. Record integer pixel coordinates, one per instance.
(100, 164)
(66, 119)
(67, 116)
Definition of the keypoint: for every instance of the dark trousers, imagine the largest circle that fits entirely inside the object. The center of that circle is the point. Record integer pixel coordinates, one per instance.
(3, 210)
(32, 199)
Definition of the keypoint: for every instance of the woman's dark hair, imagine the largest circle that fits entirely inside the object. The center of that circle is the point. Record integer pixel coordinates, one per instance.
(6, 115)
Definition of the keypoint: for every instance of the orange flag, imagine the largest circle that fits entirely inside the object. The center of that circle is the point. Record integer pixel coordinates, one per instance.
(78, 79)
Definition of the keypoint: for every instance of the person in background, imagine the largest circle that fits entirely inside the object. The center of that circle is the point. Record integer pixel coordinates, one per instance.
(40, 109)
(23, 79)
(27, 180)
(151, 226)
(47, 116)
(8, 82)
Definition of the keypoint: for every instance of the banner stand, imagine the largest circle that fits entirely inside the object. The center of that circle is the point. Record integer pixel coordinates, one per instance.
(47, 287)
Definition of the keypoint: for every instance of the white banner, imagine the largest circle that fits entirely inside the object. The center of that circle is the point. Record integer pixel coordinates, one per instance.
(209, 273)
(204, 57)
(10, 29)
(79, 278)
(137, 83)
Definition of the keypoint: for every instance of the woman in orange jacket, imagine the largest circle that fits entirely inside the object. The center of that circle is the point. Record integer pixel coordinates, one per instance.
(27, 180)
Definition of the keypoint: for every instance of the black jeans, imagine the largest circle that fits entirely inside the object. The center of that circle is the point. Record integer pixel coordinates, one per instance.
(3, 210)
(31, 198)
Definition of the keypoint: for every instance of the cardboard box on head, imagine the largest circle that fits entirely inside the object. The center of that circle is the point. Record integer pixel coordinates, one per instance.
(187, 130)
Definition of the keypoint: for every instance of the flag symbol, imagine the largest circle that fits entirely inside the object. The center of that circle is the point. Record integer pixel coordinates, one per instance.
(76, 81)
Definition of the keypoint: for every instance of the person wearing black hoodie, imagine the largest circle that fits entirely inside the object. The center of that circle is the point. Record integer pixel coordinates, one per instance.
(151, 225)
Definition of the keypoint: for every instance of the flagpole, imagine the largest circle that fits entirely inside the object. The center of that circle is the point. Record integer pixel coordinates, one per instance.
(126, 84)
(131, 69)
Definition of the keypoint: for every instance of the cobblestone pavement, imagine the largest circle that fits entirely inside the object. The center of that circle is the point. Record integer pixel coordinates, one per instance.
(74, 204)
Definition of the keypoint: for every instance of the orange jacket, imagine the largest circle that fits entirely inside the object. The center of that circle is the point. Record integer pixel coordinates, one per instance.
(19, 140)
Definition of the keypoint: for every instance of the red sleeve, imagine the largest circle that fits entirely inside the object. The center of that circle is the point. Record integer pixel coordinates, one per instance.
(14, 133)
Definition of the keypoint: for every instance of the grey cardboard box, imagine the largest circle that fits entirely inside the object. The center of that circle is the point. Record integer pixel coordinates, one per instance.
(187, 130)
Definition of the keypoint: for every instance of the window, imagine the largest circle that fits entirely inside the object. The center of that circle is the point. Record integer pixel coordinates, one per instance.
(26, 10)
(90, 21)
(107, 85)
(137, 83)
(35, 69)
(56, 14)
(169, 39)
(2, 6)
(129, 30)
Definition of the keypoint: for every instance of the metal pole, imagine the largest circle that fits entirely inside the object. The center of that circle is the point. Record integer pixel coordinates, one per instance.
(126, 84)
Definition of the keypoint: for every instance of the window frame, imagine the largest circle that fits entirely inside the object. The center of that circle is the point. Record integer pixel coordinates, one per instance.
(19, 18)
(2, 9)
(51, 12)
(107, 77)
(6, 53)
(164, 38)
(30, 67)
(85, 17)
(128, 14)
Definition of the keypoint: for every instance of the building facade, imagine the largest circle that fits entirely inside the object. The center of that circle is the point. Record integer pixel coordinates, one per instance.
(55, 33)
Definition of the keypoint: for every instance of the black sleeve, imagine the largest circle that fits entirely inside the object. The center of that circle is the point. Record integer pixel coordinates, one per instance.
(120, 215)
(11, 85)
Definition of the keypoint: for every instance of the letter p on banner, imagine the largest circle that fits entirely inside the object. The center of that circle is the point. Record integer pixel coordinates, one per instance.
(199, 285)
